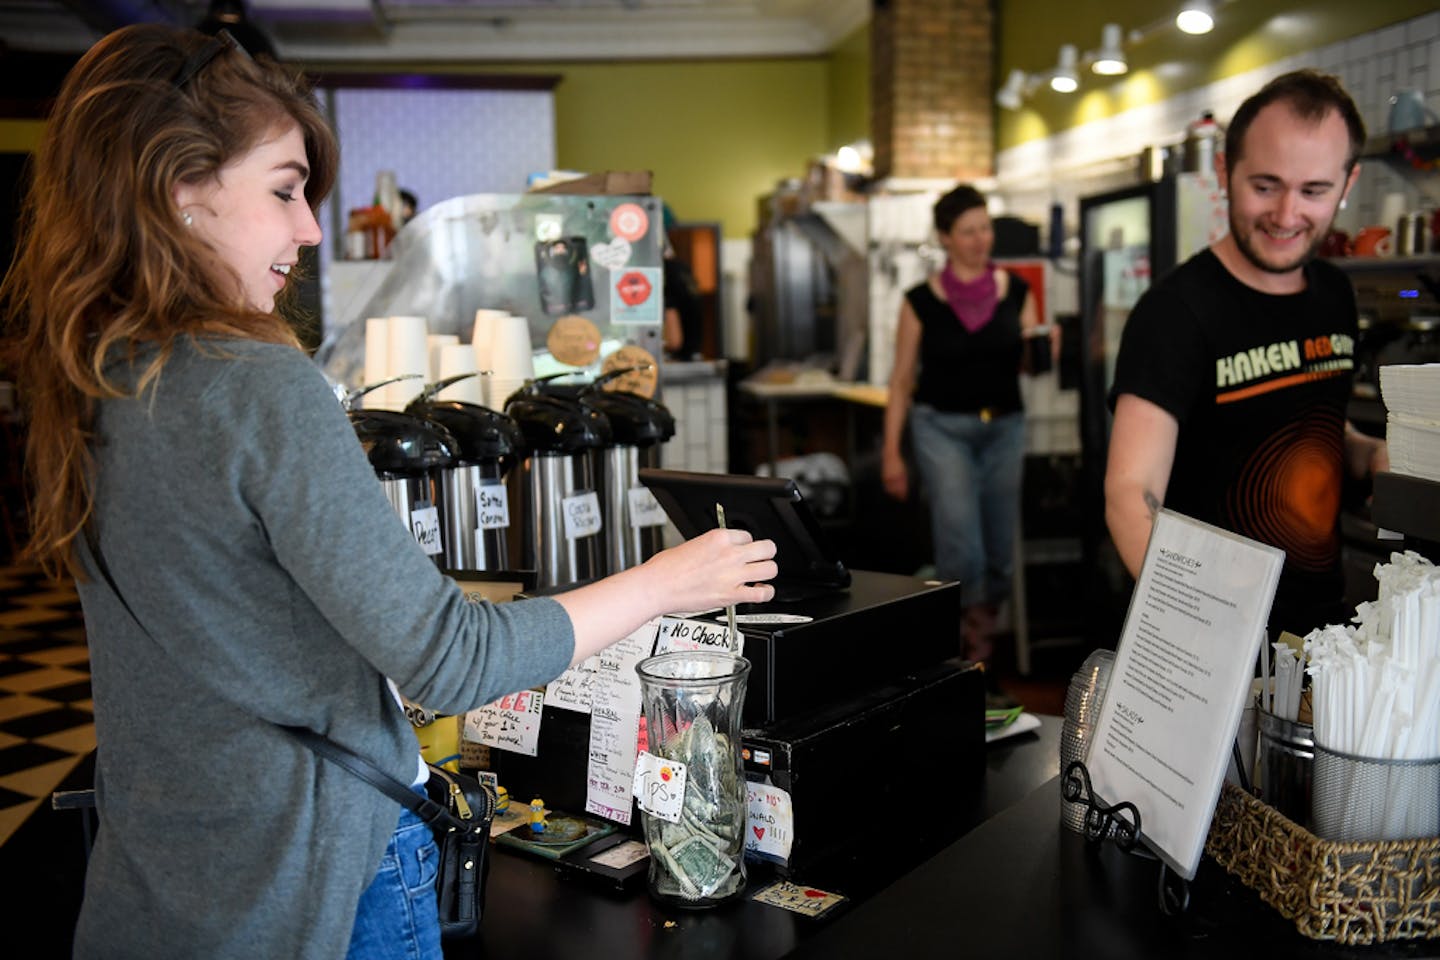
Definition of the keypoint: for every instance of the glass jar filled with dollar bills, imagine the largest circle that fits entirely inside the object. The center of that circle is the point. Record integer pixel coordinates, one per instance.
(692, 702)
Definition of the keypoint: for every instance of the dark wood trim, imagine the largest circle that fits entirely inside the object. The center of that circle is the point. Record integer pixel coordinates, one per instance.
(348, 80)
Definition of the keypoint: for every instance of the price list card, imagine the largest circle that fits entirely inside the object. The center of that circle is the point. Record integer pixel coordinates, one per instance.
(1177, 688)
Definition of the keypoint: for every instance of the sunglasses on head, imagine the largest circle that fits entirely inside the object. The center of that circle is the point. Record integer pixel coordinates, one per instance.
(208, 51)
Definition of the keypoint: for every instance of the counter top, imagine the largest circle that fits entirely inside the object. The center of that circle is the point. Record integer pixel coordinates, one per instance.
(534, 912)
(1016, 884)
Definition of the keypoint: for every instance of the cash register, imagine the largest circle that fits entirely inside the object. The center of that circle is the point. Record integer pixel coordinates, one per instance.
(853, 678)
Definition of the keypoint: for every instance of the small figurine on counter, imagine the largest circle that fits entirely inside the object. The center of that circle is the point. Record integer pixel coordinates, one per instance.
(502, 799)
(537, 815)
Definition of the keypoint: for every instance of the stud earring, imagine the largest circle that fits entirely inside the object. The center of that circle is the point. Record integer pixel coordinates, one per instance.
(1344, 202)
(187, 219)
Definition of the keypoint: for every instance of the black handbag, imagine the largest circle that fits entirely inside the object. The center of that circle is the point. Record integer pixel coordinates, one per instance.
(457, 808)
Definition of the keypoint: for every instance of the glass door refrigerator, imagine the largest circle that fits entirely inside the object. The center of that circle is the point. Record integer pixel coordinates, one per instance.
(1128, 238)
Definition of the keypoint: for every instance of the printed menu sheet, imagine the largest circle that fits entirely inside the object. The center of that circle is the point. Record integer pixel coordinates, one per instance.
(1177, 689)
(615, 724)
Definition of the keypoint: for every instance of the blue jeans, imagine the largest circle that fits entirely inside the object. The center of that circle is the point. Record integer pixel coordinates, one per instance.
(971, 470)
(397, 918)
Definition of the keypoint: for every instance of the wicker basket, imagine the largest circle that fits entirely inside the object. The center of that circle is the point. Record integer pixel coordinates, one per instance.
(1351, 892)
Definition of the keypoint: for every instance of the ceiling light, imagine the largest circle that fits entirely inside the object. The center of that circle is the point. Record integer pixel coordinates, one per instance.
(1197, 16)
(1064, 79)
(1009, 95)
(1110, 59)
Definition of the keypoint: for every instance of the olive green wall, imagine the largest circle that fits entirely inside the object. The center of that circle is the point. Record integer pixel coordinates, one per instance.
(1247, 35)
(849, 90)
(20, 136)
(717, 134)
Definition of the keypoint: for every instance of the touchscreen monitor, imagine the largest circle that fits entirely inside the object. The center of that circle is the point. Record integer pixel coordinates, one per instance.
(766, 507)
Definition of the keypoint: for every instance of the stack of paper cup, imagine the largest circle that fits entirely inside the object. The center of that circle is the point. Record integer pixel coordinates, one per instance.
(409, 356)
(455, 359)
(433, 343)
(511, 359)
(483, 333)
(377, 357)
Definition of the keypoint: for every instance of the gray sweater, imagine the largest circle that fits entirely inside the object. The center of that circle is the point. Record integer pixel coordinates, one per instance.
(274, 583)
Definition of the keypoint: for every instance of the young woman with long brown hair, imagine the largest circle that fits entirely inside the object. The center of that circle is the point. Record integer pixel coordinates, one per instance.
(238, 564)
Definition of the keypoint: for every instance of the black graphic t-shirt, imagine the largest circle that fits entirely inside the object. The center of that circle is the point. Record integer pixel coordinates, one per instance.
(1259, 384)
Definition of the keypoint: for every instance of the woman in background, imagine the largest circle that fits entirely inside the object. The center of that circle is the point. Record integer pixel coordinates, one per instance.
(958, 349)
(238, 564)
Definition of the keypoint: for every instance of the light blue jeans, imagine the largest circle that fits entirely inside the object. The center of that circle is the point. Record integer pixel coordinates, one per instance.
(398, 919)
(971, 469)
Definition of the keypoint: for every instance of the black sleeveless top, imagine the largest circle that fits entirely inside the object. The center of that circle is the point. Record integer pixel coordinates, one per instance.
(964, 372)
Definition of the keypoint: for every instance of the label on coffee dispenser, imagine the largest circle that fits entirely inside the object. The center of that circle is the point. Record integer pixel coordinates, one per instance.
(492, 506)
(582, 515)
(425, 525)
(645, 510)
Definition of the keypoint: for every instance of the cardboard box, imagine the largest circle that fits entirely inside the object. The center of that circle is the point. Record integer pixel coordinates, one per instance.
(610, 183)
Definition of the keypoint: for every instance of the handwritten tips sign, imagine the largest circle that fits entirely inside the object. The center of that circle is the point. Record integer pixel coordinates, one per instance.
(614, 724)
(682, 634)
(660, 786)
(510, 723)
(770, 826)
(1182, 670)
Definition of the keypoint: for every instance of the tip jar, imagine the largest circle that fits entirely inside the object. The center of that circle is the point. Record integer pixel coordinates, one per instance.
(693, 701)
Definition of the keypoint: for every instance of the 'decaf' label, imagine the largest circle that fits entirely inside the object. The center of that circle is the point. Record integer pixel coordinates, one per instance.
(659, 786)
(425, 525)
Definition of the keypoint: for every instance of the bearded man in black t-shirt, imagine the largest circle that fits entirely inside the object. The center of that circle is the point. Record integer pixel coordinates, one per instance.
(1234, 371)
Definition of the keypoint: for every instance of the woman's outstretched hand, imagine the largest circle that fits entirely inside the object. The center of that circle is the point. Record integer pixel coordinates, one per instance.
(715, 569)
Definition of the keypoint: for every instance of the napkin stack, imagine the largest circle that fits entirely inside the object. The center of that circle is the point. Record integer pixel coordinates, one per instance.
(1412, 428)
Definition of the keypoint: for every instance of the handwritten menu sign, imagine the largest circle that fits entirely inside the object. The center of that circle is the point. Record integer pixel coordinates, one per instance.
(492, 506)
(770, 827)
(614, 724)
(425, 525)
(680, 634)
(572, 689)
(510, 723)
(1182, 671)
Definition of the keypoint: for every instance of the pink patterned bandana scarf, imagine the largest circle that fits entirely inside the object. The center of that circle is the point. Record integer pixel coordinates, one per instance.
(973, 301)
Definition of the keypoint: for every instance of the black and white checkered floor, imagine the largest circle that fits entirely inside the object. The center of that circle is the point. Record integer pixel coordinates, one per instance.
(46, 725)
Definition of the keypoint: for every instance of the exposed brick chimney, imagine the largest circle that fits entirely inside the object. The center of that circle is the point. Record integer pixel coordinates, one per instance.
(932, 66)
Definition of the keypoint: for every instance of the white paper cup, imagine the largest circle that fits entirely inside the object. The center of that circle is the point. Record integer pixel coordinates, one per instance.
(511, 356)
(483, 333)
(456, 359)
(498, 389)
(409, 355)
(433, 343)
(377, 357)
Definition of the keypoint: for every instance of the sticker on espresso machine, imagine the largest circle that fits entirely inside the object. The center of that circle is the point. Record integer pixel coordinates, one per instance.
(643, 375)
(582, 515)
(425, 525)
(492, 506)
(574, 341)
(645, 510)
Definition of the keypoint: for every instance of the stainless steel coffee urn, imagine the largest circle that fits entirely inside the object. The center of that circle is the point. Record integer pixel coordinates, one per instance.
(555, 484)
(407, 454)
(634, 523)
(475, 501)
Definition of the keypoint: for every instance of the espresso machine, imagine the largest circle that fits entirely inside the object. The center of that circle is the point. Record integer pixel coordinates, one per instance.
(408, 455)
(476, 502)
(555, 485)
(634, 522)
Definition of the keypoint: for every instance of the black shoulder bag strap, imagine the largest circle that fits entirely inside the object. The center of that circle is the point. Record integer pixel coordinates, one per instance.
(434, 814)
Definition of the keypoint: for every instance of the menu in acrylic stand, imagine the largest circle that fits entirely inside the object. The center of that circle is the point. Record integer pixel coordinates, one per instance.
(1184, 664)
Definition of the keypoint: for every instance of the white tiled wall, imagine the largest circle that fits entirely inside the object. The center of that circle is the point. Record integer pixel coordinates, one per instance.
(701, 437)
(1101, 155)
